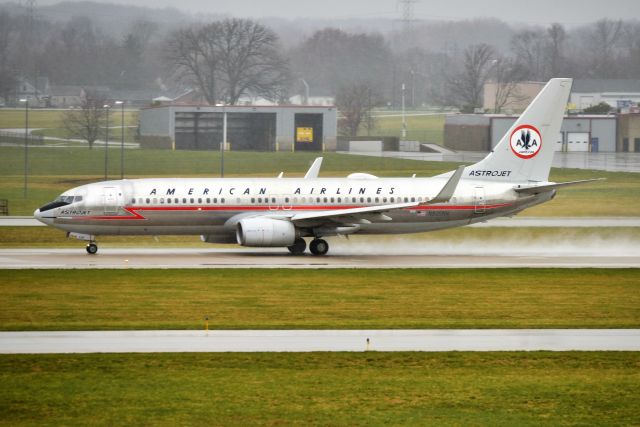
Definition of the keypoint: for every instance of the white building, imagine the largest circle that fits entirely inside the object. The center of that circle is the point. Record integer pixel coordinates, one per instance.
(588, 92)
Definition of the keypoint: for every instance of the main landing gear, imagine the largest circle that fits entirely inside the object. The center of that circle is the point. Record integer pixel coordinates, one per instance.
(317, 246)
(298, 247)
(92, 248)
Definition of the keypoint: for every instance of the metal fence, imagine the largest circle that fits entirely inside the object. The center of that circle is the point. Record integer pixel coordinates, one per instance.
(18, 139)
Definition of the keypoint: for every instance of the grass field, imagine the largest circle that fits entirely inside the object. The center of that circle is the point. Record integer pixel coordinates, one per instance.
(426, 128)
(52, 119)
(444, 389)
(305, 299)
(53, 170)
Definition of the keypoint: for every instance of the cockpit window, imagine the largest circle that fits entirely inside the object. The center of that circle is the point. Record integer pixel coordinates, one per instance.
(60, 201)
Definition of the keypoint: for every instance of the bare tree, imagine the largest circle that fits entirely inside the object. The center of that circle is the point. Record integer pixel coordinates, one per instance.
(508, 74)
(556, 38)
(229, 59)
(467, 87)
(85, 122)
(355, 103)
(8, 74)
(602, 39)
(529, 48)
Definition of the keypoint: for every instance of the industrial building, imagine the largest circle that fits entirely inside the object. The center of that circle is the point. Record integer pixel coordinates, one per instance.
(586, 133)
(255, 128)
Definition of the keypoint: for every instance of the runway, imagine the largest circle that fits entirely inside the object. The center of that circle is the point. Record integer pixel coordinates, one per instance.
(342, 257)
(514, 222)
(430, 340)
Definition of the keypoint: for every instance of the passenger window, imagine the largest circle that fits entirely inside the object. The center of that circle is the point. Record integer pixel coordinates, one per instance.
(384, 200)
(406, 199)
(184, 200)
(368, 199)
(393, 199)
(332, 200)
(273, 200)
(191, 200)
(253, 200)
(148, 201)
(286, 200)
(208, 200)
(199, 200)
(222, 200)
(317, 199)
(326, 200)
(413, 199)
(169, 200)
(377, 200)
(353, 200)
(162, 200)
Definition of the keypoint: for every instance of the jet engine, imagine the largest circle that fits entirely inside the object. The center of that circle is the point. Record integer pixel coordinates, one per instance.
(265, 232)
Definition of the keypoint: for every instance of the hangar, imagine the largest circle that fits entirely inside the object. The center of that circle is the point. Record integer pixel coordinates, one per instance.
(581, 133)
(254, 128)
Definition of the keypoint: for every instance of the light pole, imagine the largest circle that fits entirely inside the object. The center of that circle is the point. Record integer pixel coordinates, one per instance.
(26, 143)
(224, 137)
(404, 119)
(306, 91)
(121, 104)
(106, 144)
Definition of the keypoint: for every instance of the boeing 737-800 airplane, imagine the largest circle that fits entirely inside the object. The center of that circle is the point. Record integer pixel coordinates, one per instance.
(281, 212)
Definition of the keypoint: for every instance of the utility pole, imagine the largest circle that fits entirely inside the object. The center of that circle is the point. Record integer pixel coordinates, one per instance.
(106, 145)
(404, 118)
(407, 14)
(26, 143)
(121, 104)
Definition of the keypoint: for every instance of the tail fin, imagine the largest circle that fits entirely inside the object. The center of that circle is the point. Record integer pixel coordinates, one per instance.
(525, 152)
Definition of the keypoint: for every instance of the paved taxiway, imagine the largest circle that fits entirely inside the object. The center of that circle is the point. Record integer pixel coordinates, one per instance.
(514, 222)
(277, 258)
(320, 340)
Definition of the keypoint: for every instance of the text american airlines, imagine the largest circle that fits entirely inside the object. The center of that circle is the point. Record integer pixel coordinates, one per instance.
(283, 212)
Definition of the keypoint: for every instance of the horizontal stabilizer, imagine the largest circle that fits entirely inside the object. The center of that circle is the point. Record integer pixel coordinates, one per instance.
(449, 188)
(543, 188)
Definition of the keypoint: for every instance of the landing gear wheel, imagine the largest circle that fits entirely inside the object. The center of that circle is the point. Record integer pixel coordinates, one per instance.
(319, 247)
(298, 247)
(92, 248)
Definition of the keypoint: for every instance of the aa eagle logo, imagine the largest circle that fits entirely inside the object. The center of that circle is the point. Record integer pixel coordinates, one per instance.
(526, 141)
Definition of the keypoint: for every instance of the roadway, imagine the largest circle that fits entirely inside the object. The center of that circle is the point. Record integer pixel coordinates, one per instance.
(431, 340)
(342, 256)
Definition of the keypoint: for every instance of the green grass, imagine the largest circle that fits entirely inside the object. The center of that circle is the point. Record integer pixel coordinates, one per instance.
(54, 170)
(306, 299)
(444, 389)
(419, 128)
(50, 123)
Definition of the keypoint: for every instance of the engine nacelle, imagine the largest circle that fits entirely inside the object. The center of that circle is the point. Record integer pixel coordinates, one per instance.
(265, 232)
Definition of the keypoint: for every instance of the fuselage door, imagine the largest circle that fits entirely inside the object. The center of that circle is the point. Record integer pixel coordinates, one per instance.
(110, 200)
(479, 200)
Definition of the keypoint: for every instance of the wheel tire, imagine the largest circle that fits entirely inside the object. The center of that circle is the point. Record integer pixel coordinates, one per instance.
(319, 247)
(92, 248)
(298, 247)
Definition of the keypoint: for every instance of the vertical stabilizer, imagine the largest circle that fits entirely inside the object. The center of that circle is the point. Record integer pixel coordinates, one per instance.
(525, 152)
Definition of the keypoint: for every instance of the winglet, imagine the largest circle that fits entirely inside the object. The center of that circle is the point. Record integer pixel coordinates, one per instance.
(314, 170)
(449, 188)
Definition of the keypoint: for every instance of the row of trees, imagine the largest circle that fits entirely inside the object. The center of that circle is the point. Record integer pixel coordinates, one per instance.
(228, 59)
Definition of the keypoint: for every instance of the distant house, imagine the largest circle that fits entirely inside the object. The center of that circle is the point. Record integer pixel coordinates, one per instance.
(615, 92)
(519, 98)
(66, 96)
(316, 101)
(37, 93)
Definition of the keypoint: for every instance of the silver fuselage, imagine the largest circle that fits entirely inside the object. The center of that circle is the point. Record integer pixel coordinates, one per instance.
(212, 207)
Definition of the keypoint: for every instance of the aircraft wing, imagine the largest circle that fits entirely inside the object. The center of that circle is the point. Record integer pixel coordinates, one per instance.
(376, 212)
(338, 214)
(549, 187)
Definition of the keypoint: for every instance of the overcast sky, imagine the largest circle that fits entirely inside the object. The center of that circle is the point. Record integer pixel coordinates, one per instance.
(527, 11)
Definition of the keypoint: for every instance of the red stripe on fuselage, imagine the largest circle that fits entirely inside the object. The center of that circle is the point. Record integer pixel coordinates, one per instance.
(133, 210)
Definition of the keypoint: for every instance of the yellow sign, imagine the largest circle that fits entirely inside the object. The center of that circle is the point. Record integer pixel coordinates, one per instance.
(304, 134)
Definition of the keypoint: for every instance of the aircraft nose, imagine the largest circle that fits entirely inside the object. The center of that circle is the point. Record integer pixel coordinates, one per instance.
(38, 215)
